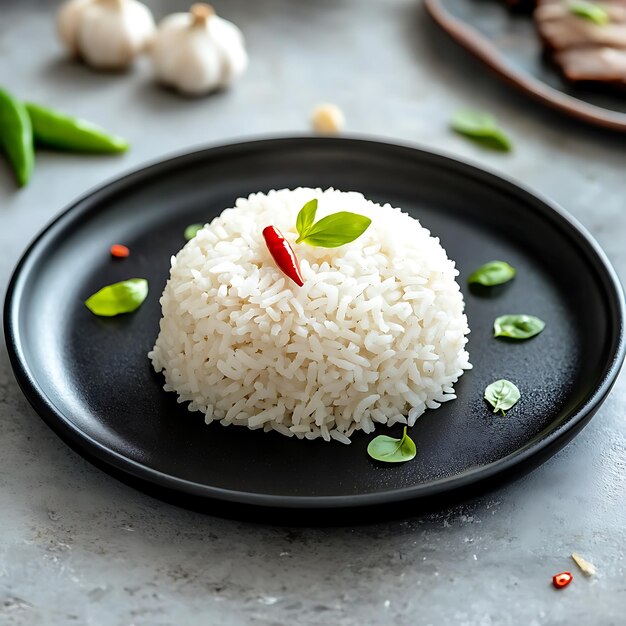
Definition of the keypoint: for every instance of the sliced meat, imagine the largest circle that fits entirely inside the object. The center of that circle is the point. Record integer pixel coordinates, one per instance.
(573, 32)
(584, 50)
(606, 65)
(549, 10)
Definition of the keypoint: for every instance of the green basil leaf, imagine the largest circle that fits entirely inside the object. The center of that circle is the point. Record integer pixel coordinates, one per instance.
(482, 128)
(502, 395)
(390, 450)
(492, 273)
(517, 326)
(590, 11)
(306, 216)
(192, 230)
(335, 230)
(122, 297)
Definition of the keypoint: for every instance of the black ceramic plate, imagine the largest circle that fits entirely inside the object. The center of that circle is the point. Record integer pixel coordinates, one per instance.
(508, 43)
(90, 379)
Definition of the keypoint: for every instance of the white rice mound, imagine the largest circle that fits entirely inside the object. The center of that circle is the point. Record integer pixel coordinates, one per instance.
(376, 335)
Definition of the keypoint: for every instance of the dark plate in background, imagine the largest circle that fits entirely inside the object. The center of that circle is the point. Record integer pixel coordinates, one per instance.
(509, 44)
(90, 380)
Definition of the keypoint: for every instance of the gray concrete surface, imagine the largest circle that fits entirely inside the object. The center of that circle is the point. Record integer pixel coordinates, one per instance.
(78, 547)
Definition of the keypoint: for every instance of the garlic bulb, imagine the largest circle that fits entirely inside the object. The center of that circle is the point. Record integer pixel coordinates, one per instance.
(198, 52)
(68, 19)
(107, 34)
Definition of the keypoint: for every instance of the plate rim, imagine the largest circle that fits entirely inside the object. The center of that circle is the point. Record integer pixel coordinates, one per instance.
(89, 447)
(480, 47)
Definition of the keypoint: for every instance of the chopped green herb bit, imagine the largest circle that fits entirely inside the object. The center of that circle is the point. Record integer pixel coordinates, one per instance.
(492, 273)
(390, 450)
(306, 216)
(331, 231)
(192, 230)
(590, 11)
(517, 326)
(502, 395)
(123, 297)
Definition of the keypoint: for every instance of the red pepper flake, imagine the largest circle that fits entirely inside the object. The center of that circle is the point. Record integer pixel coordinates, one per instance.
(119, 251)
(283, 254)
(562, 580)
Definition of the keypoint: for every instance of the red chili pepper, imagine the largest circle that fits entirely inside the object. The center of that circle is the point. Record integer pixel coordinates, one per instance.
(119, 251)
(283, 254)
(562, 580)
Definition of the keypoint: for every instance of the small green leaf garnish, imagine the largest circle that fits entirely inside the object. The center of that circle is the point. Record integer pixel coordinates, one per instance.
(390, 450)
(306, 216)
(331, 231)
(517, 326)
(590, 11)
(502, 395)
(192, 230)
(482, 128)
(492, 273)
(123, 297)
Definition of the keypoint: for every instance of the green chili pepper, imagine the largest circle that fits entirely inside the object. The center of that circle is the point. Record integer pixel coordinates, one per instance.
(57, 130)
(16, 136)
